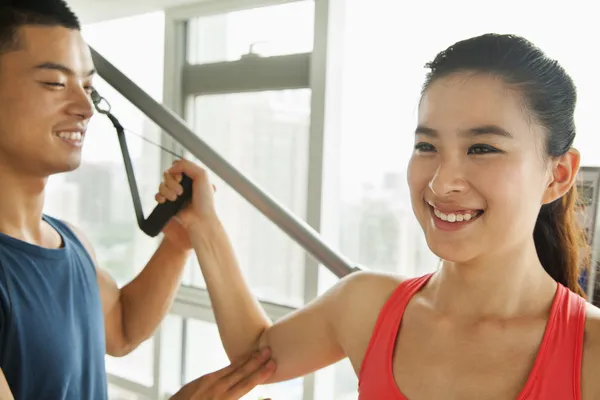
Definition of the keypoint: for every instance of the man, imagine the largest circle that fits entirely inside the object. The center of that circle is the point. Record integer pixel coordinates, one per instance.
(60, 313)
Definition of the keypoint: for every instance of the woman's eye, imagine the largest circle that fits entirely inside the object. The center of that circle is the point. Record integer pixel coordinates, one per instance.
(424, 147)
(482, 149)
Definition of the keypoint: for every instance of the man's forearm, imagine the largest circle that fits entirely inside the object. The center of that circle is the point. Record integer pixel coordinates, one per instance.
(146, 300)
(238, 314)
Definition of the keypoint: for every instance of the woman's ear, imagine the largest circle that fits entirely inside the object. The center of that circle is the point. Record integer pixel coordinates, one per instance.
(563, 172)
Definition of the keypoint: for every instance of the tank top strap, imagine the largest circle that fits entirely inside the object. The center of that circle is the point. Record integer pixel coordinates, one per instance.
(381, 345)
(62, 228)
(557, 371)
(71, 241)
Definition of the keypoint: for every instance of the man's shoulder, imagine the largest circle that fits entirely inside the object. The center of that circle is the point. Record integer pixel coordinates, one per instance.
(79, 235)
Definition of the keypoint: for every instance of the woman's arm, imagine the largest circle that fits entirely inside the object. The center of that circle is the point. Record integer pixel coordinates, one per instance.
(590, 384)
(320, 334)
(336, 324)
(302, 342)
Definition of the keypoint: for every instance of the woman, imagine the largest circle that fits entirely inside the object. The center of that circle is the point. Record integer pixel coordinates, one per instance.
(492, 185)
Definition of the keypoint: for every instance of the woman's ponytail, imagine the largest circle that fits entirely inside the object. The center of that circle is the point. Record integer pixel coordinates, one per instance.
(560, 241)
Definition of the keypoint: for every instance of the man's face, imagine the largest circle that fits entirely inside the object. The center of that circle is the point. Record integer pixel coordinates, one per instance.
(45, 102)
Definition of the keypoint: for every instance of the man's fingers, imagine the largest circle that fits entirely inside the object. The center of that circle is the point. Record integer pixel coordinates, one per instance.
(256, 378)
(214, 377)
(233, 381)
(222, 373)
(249, 367)
(222, 388)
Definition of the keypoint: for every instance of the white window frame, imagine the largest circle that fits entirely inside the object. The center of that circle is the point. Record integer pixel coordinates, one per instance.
(304, 70)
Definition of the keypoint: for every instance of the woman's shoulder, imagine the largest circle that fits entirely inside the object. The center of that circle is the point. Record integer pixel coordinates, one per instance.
(359, 301)
(592, 328)
(369, 286)
(362, 295)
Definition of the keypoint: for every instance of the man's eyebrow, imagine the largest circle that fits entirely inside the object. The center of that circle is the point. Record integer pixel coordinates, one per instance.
(62, 68)
(476, 131)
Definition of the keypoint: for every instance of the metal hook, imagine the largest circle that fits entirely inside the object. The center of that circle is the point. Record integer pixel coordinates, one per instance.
(97, 100)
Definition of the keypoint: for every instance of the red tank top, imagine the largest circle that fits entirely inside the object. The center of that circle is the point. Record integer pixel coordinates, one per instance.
(556, 372)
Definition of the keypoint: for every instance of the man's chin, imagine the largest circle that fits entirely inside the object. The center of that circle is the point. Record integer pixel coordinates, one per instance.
(64, 167)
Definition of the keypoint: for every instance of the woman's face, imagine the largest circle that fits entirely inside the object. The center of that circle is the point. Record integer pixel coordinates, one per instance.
(478, 175)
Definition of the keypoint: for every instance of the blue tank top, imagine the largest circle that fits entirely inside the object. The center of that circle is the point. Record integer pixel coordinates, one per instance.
(52, 343)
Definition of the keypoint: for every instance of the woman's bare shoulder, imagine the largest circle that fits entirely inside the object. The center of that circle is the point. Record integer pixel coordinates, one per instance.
(373, 279)
(368, 288)
(358, 304)
(590, 384)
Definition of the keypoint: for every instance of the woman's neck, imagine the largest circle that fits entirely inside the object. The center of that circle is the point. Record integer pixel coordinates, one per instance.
(495, 286)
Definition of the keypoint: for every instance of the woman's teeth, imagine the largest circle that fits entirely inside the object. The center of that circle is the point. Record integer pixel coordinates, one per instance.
(456, 217)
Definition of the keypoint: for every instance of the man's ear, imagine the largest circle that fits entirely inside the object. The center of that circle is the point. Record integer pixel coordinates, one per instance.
(563, 173)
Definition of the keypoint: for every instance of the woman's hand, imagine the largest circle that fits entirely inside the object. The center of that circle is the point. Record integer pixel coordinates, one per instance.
(201, 207)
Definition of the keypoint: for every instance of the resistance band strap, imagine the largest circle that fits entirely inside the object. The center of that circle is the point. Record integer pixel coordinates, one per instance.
(163, 213)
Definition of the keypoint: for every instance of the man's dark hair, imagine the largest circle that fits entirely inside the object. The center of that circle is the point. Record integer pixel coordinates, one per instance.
(15, 14)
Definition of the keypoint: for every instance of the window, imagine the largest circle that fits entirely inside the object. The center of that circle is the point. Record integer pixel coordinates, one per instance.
(268, 31)
(136, 367)
(96, 197)
(117, 393)
(264, 135)
(171, 343)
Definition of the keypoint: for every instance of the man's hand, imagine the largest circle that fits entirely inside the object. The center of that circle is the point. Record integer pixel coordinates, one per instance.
(232, 382)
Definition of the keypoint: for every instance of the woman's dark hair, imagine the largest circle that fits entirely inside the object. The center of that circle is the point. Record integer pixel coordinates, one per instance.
(550, 96)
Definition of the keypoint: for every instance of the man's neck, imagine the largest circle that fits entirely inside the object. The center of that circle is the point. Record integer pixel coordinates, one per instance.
(499, 286)
(21, 205)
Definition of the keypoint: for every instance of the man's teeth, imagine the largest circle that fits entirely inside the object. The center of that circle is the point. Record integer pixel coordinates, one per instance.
(74, 136)
(455, 217)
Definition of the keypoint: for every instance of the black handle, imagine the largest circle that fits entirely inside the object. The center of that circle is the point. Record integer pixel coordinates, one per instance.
(162, 213)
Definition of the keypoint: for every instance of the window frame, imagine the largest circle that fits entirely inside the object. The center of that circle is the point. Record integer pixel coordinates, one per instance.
(303, 70)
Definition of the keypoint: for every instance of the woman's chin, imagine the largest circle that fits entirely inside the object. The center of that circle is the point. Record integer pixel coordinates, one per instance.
(453, 253)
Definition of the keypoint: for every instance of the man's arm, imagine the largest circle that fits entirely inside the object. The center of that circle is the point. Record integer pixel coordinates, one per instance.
(5, 393)
(133, 312)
